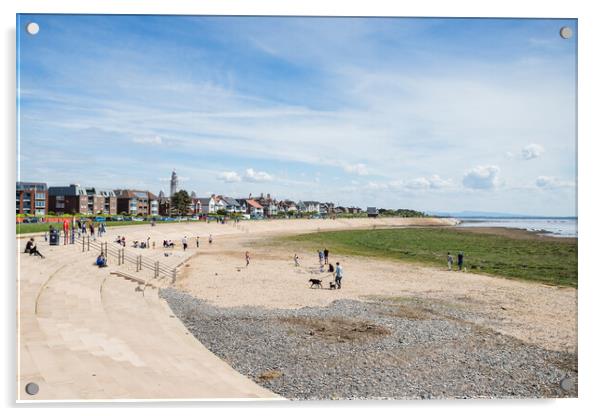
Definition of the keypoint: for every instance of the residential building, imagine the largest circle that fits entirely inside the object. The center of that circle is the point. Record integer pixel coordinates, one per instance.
(196, 206)
(309, 206)
(75, 199)
(134, 202)
(287, 206)
(254, 209)
(229, 204)
(32, 198)
(269, 204)
(208, 205)
(243, 205)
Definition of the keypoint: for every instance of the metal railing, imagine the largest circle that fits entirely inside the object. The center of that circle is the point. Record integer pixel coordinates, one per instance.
(159, 270)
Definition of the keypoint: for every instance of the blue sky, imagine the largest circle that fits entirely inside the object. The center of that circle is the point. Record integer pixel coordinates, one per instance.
(429, 114)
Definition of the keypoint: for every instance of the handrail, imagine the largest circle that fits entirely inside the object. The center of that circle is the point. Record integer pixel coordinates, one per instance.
(159, 269)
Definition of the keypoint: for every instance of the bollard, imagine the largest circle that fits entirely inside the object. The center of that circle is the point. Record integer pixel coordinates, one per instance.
(173, 276)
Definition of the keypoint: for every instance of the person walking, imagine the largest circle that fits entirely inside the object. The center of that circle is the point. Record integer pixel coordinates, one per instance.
(296, 258)
(325, 256)
(197, 241)
(460, 260)
(185, 243)
(210, 239)
(450, 261)
(321, 257)
(247, 258)
(338, 275)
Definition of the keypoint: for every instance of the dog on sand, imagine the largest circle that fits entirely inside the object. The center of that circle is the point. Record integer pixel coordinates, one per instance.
(315, 283)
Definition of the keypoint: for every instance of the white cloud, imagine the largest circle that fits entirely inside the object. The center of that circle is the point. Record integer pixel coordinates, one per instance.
(436, 182)
(418, 183)
(551, 182)
(229, 177)
(358, 169)
(252, 176)
(531, 151)
(148, 140)
(482, 177)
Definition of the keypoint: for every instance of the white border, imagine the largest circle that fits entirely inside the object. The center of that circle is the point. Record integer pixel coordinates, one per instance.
(590, 22)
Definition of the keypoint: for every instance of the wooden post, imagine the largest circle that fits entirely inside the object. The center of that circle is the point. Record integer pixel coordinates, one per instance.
(88, 243)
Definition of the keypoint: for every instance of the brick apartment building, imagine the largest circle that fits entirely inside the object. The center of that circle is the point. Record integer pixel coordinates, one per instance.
(74, 199)
(32, 198)
(133, 202)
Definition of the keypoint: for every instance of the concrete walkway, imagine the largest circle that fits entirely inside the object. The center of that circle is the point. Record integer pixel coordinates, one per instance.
(87, 334)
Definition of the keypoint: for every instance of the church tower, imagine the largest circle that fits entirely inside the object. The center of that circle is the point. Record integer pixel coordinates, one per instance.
(173, 188)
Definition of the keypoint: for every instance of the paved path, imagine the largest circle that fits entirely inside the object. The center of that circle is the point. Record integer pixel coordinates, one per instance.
(86, 334)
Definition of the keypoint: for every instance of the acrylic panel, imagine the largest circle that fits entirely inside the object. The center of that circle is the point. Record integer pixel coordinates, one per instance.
(296, 208)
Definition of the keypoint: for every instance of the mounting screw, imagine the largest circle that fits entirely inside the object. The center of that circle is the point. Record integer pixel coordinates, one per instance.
(32, 389)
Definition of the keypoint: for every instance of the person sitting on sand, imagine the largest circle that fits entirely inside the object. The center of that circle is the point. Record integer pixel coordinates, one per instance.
(101, 260)
(29, 245)
(118, 241)
(33, 249)
(330, 268)
(450, 261)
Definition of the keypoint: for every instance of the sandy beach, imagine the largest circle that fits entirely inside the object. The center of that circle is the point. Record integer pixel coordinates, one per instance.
(532, 312)
(491, 317)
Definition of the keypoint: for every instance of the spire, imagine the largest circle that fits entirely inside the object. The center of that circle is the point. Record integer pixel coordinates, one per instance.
(173, 187)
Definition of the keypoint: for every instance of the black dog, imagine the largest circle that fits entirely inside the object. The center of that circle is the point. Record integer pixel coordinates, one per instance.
(315, 282)
(333, 285)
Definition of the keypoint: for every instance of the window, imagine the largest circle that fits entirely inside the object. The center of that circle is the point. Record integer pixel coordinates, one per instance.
(40, 196)
(40, 204)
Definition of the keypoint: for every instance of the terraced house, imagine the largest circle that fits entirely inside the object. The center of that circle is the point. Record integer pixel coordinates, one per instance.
(134, 202)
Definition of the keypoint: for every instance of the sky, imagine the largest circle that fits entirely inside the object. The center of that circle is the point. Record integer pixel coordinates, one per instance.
(418, 113)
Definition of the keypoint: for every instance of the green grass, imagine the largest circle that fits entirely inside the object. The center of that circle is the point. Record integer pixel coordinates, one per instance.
(39, 227)
(548, 261)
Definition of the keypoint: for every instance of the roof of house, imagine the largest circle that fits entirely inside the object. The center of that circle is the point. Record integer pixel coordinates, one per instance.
(254, 204)
(230, 201)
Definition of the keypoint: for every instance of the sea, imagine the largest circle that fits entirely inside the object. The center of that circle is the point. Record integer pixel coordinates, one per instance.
(555, 227)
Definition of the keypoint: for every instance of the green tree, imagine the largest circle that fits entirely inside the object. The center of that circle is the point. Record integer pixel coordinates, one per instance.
(180, 202)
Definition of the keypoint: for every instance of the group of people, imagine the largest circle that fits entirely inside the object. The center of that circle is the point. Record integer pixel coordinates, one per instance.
(450, 261)
(336, 270)
(141, 244)
(82, 229)
(120, 240)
